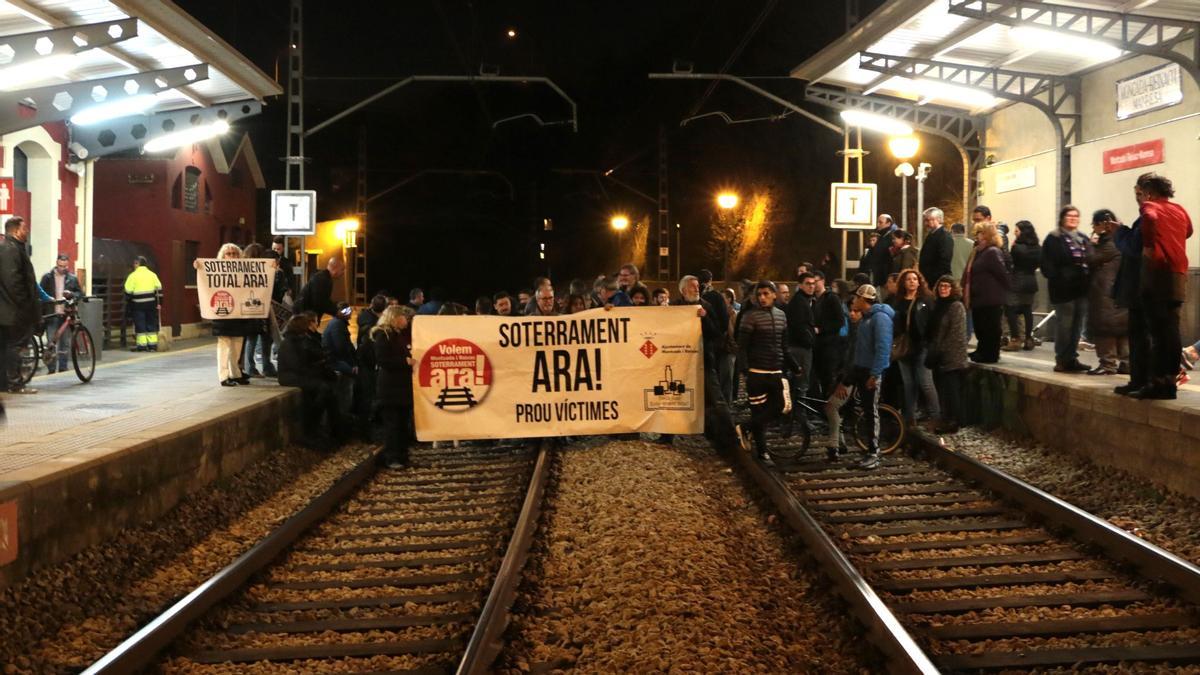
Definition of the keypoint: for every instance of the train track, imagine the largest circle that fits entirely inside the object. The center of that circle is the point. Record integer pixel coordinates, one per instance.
(420, 564)
(955, 567)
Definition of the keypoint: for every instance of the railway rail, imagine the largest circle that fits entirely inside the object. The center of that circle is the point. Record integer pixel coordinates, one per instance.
(955, 567)
(422, 563)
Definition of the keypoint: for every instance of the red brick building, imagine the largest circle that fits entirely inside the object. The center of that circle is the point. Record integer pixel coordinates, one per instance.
(180, 206)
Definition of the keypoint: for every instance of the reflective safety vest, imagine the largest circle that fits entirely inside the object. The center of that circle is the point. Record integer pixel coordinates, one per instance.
(142, 285)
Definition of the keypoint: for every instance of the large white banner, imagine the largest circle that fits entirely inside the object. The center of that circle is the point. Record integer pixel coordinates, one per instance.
(235, 289)
(597, 372)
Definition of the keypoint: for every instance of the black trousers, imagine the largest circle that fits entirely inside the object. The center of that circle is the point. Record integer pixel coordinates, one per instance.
(397, 432)
(318, 400)
(718, 422)
(987, 330)
(1162, 318)
(949, 385)
(827, 363)
(1139, 346)
(766, 394)
(12, 339)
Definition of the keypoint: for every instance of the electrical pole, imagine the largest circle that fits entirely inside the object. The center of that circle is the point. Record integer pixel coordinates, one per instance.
(922, 173)
(664, 216)
(294, 159)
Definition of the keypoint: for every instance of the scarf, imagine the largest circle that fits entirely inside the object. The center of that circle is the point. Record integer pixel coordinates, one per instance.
(1077, 247)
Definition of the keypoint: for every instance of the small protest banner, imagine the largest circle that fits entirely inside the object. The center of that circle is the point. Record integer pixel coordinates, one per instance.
(629, 369)
(235, 289)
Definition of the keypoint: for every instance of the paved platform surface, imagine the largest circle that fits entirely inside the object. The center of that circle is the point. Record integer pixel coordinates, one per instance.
(130, 394)
(1040, 363)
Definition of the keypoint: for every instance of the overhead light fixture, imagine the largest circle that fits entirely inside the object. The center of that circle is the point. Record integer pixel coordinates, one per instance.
(727, 200)
(187, 136)
(880, 123)
(34, 71)
(1041, 39)
(134, 105)
(931, 90)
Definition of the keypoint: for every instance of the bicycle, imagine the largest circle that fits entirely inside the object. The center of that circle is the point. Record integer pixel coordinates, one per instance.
(83, 348)
(892, 428)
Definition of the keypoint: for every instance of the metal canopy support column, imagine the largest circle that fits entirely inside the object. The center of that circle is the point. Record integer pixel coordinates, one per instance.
(664, 215)
(1056, 96)
(964, 131)
(294, 159)
(1151, 35)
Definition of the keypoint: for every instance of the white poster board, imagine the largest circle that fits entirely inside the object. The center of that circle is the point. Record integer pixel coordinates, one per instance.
(294, 212)
(235, 289)
(852, 206)
(628, 369)
(1151, 90)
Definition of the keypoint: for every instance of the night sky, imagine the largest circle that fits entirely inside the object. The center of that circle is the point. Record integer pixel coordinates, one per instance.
(477, 233)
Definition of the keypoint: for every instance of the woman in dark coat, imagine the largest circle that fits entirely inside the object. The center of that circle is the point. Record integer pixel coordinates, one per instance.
(1026, 257)
(1108, 325)
(303, 364)
(989, 285)
(392, 340)
(946, 353)
(912, 307)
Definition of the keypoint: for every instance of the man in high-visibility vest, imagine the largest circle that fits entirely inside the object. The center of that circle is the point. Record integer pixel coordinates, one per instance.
(143, 295)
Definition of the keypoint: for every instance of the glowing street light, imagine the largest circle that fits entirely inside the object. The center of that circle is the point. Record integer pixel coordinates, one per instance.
(619, 223)
(347, 231)
(904, 147)
(727, 200)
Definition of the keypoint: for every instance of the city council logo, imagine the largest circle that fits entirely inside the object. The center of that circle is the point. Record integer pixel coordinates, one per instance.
(455, 375)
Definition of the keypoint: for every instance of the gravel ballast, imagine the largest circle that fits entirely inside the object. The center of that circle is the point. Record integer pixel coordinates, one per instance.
(654, 558)
(1165, 519)
(64, 618)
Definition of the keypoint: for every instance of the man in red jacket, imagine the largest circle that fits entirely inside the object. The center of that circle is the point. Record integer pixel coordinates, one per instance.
(1165, 228)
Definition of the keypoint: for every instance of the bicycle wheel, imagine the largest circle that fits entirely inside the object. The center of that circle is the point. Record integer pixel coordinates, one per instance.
(29, 357)
(891, 429)
(83, 353)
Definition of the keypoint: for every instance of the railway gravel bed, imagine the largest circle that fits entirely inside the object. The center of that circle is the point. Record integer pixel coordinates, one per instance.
(1164, 518)
(654, 558)
(62, 619)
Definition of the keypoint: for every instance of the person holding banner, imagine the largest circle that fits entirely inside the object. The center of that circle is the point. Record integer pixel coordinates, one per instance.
(763, 355)
(392, 345)
(718, 422)
(230, 333)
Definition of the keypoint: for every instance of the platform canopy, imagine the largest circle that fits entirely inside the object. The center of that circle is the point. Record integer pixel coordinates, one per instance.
(902, 48)
(147, 59)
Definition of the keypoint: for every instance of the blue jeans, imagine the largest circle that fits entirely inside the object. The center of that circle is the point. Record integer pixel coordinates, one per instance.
(1070, 317)
(918, 379)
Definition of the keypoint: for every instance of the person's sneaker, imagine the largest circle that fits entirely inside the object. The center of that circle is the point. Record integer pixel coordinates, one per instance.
(396, 463)
(765, 458)
(270, 372)
(244, 379)
(22, 390)
(228, 383)
(139, 348)
(869, 461)
(253, 372)
(1086, 346)
(1029, 345)
(1153, 392)
(1101, 370)
(1078, 367)
(833, 454)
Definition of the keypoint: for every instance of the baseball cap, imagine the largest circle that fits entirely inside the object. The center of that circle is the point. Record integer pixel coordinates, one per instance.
(867, 292)
(345, 311)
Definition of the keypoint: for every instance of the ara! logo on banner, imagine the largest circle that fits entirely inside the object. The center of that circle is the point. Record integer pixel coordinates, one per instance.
(222, 302)
(455, 375)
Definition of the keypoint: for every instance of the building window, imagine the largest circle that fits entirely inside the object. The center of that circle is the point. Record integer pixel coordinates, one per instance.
(191, 189)
(20, 170)
(191, 251)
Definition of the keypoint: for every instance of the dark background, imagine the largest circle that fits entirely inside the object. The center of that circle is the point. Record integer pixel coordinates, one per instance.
(473, 234)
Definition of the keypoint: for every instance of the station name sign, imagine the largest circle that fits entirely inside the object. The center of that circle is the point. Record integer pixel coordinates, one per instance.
(852, 206)
(1151, 90)
(1134, 156)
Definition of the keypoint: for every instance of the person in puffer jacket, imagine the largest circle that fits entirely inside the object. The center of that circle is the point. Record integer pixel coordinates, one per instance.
(870, 358)
(763, 356)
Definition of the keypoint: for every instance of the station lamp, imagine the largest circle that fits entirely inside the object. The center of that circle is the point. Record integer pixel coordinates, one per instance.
(196, 134)
(619, 222)
(134, 105)
(727, 200)
(904, 147)
(347, 231)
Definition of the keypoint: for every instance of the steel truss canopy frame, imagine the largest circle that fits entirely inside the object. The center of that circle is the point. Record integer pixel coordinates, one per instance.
(77, 54)
(1050, 39)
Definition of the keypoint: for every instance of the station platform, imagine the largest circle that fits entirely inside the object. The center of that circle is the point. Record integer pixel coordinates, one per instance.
(78, 462)
(1158, 441)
